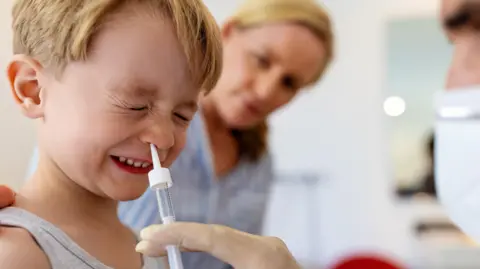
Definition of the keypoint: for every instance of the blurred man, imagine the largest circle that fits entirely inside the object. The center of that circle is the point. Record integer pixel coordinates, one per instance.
(457, 138)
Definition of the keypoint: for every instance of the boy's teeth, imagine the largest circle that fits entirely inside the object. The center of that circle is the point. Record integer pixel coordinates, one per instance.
(133, 162)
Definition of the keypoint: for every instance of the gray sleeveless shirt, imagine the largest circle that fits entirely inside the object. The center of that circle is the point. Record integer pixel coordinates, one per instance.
(61, 250)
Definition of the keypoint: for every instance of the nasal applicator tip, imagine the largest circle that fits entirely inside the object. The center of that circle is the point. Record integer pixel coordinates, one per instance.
(155, 158)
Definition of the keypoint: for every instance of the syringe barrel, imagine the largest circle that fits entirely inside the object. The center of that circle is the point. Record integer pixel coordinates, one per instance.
(165, 205)
(174, 257)
(167, 215)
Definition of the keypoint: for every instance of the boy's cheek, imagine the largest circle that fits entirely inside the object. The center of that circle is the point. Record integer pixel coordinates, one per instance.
(172, 156)
(175, 151)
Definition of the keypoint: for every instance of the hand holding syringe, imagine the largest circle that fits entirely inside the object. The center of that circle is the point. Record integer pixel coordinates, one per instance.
(160, 182)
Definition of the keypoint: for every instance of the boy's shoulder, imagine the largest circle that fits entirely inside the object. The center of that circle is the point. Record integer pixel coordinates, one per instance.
(19, 250)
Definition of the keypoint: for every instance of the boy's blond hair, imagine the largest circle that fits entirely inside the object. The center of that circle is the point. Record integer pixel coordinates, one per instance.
(56, 32)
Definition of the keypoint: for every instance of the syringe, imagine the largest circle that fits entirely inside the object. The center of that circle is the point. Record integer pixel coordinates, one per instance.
(160, 182)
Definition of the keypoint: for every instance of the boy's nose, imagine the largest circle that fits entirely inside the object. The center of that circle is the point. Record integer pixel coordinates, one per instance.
(162, 155)
(160, 134)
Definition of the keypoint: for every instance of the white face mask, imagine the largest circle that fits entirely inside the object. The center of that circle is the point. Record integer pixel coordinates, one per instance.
(457, 158)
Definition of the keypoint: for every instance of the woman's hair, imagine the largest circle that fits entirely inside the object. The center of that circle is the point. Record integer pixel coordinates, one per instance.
(252, 142)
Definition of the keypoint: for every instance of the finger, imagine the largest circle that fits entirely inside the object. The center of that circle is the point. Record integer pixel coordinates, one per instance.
(221, 242)
(152, 249)
(7, 196)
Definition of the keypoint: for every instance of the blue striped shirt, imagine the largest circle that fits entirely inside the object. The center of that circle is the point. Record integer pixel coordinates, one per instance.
(237, 200)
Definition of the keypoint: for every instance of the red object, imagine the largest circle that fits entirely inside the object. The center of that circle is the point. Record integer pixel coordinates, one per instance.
(367, 262)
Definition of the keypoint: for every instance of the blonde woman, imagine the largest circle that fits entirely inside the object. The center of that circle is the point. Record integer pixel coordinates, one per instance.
(272, 49)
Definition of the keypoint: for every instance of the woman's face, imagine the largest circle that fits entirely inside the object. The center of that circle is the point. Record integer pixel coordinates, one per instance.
(264, 68)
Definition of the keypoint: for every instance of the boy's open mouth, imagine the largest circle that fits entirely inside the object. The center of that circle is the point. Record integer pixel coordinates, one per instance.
(132, 165)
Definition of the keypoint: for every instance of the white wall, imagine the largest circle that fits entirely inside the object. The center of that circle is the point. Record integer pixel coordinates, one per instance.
(338, 130)
(17, 132)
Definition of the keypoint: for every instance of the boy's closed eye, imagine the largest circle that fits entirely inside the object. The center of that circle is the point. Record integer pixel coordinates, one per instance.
(127, 107)
(138, 108)
(126, 104)
(144, 108)
(182, 117)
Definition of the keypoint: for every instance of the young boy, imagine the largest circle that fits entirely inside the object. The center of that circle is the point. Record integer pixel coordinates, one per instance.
(104, 78)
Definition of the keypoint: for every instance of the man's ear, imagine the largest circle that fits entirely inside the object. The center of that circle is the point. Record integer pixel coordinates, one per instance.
(23, 75)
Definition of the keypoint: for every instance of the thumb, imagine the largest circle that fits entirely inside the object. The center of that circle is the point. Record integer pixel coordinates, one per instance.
(7, 196)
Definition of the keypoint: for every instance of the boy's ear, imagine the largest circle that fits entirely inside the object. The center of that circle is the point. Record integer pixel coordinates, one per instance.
(23, 75)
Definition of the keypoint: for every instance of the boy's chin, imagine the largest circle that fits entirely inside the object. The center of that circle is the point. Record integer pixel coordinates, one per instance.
(127, 194)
